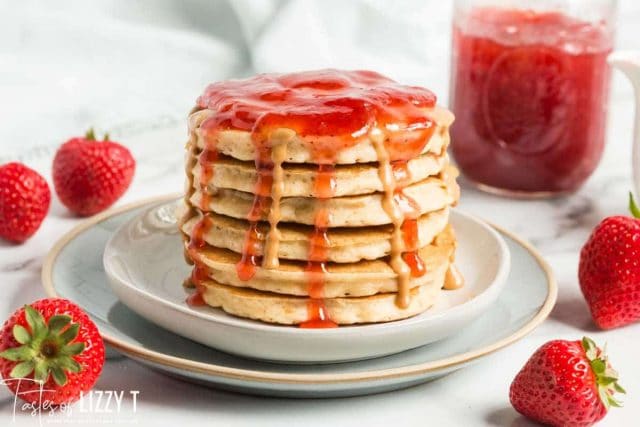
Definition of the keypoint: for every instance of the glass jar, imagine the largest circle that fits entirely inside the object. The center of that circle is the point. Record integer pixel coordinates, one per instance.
(529, 89)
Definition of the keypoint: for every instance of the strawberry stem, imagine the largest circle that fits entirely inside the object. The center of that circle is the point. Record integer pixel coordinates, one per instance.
(47, 348)
(90, 135)
(633, 208)
(606, 376)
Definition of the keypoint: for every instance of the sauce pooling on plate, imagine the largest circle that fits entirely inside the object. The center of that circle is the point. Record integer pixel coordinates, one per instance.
(330, 111)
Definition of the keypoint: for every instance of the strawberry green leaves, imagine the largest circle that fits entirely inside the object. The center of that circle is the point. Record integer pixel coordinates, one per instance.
(90, 135)
(47, 348)
(606, 376)
(35, 322)
(22, 369)
(58, 322)
(70, 333)
(21, 334)
(633, 208)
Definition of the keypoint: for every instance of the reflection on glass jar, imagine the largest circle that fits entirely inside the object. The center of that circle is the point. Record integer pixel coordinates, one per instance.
(529, 89)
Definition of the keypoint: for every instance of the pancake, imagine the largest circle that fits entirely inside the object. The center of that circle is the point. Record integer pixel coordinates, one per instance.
(430, 195)
(299, 179)
(344, 245)
(319, 198)
(362, 278)
(240, 145)
(289, 310)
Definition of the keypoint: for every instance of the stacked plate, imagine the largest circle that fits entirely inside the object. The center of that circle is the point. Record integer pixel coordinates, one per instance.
(122, 267)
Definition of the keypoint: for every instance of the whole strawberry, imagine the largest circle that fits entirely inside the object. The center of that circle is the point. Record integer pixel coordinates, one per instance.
(52, 346)
(566, 383)
(609, 270)
(89, 175)
(24, 201)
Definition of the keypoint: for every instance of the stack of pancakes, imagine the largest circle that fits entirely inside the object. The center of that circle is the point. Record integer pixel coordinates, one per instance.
(292, 219)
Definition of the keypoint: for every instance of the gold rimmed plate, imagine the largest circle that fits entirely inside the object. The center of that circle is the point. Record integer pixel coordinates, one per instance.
(74, 270)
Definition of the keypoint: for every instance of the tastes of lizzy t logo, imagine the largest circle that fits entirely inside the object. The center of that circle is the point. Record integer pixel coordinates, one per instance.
(93, 407)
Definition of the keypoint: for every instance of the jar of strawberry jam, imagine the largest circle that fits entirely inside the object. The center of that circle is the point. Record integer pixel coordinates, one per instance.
(529, 88)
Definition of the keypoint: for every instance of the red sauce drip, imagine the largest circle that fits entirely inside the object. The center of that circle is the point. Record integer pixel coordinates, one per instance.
(325, 183)
(409, 227)
(316, 269)
(339, 105)
(198, 275)
(411, 257)
(318, 316)
(407, 205)
(315, 276)
(206, 159)
(410, 233)
(415, 263)
(199, 272)
(401, 173)
(250, 259)
(318, 253)
(199, 232)
(408, 146)
(196, 300)
(324, 188)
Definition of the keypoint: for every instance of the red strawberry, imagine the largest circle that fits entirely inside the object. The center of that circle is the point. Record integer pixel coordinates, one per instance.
(566, 383)
(89, 175)
(24, 201)
(55, 342)
(609, 270)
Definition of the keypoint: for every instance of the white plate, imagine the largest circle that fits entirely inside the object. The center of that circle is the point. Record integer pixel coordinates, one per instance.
(144, 262)
(74, 270)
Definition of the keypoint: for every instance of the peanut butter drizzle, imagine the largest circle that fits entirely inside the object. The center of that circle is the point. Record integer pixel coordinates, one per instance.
(279, 140)
(385, 172)
(453, 279)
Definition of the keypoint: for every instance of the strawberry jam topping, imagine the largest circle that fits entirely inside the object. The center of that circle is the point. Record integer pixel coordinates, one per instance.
(340, 105)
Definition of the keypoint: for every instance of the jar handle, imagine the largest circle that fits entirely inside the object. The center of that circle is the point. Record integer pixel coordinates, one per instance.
(629, 63)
